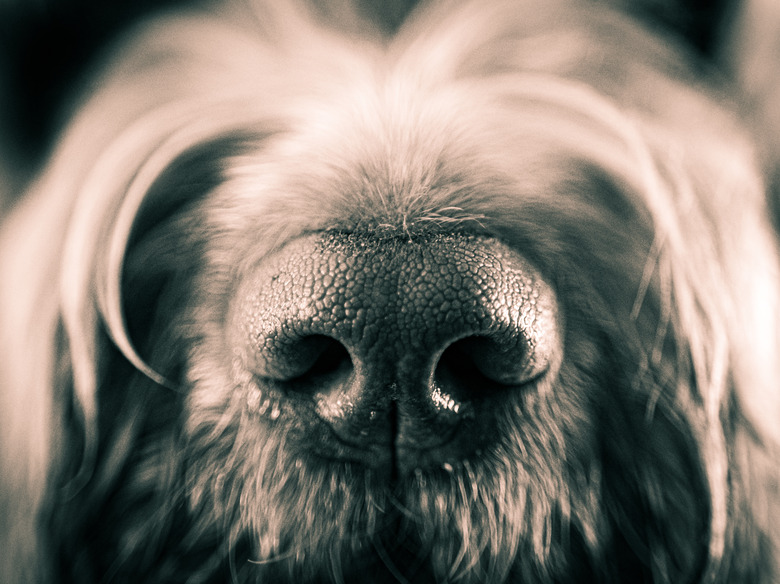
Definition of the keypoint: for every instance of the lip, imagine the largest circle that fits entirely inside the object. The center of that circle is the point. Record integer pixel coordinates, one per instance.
(393, 463)
(313, 438)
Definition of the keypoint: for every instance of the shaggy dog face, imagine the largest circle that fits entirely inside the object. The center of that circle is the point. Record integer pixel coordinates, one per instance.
(490, 299)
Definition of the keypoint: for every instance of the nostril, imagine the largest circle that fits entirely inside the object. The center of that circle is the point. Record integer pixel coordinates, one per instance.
(332, 359)
(332, 367)
(476, 366)
(310, 364)
(459, 374)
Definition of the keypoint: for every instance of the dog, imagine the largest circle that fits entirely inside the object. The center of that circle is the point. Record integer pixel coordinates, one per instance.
(479, 291)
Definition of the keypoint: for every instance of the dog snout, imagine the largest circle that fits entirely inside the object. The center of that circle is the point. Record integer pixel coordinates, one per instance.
(402, 348)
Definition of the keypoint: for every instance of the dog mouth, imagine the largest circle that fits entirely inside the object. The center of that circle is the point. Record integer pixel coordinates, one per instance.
(398, 354)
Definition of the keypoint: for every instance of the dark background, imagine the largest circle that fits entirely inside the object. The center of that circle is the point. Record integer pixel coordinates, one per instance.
(47, 46)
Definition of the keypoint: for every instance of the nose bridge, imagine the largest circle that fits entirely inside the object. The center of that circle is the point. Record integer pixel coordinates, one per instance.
(417, 309)
(404, 298)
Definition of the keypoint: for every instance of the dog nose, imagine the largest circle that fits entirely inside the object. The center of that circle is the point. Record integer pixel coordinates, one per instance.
(397, 350)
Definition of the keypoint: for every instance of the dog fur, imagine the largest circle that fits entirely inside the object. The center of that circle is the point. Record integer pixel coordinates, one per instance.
(592, 145)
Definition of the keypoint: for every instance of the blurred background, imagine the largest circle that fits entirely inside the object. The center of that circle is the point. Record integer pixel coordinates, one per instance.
(48, 47)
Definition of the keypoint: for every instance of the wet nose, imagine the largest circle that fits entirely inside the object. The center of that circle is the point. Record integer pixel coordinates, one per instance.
(400, 347)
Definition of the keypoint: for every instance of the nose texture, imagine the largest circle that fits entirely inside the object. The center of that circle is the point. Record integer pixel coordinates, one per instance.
(400, 347)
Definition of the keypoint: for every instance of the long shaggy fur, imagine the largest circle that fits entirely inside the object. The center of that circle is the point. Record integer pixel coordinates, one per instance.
(129, 445)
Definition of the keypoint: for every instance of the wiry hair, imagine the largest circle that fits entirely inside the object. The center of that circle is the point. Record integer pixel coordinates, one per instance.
(128, 442)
